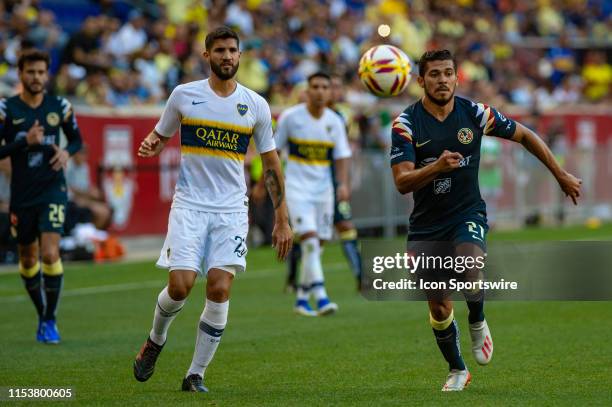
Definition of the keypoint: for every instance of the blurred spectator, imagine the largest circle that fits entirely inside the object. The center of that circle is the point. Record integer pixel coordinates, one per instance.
(563, 60)
(130, 38)
(597, 75)
(239, 16)
(94, 91)
(83, 48)
(86, 202)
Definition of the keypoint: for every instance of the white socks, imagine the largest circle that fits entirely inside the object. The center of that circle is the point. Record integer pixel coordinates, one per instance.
(165, 312)
(211, 326)
(312, 268)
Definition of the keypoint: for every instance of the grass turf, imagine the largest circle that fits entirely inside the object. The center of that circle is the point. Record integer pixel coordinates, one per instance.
(547, 353)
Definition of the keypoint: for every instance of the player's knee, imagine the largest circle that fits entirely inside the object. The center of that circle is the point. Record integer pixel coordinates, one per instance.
(440, 310)
(218, 291)
(28, 261)
(50, 255)
(179, 291)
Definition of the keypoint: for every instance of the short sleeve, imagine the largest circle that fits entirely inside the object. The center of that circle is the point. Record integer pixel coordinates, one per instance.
(67, 111)
(282, 131)
(401, 140)
(493, 123)
(341, 146)
(170, 119)
(262, 132)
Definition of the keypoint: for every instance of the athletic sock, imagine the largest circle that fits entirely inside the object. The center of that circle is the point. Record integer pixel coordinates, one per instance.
(311, 265)
(53, 277)
(303, 283)
(475, 304)
(447, 337)
(350, 247)
(210, 328)
(32, 280)
(165, 312)
(292, 264)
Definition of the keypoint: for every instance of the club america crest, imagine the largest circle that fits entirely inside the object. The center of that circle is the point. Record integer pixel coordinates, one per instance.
(465, 135)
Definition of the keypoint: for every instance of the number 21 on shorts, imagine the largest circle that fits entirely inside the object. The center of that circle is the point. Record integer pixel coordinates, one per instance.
(477, 231)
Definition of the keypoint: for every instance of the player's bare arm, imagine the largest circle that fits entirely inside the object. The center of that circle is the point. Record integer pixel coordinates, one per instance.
(343, 192)
(536, 146)
(408, 179)
(152, 145)
(282, 236)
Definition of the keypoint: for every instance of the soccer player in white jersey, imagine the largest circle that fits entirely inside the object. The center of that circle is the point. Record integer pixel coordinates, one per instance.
(314, 135)
(208, 220)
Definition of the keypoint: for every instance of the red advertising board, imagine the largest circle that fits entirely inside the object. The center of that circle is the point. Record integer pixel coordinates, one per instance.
(140, 190)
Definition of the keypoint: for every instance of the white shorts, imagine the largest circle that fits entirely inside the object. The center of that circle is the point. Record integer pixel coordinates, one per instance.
(311, 216)
(217, 239)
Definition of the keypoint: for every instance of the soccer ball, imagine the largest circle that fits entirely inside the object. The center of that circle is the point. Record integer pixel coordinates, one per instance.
(385, 70)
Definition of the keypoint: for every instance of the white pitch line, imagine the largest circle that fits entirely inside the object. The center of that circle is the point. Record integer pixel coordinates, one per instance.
(112, 288)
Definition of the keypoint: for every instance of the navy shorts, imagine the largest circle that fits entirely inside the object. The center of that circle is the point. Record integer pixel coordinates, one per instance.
(471, 229)
(28, 223)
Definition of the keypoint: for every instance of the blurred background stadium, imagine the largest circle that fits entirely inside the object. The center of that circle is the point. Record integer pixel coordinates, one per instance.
(545, 62)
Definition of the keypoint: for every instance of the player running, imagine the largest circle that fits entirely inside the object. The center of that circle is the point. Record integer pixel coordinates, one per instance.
(208, 221)
(435, 153)
(30, 125)
(314, 136)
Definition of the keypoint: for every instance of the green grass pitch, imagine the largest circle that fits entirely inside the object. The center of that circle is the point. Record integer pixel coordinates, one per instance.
(546, 353)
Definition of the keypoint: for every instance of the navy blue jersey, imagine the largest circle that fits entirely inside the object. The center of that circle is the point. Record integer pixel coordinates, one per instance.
(33, 181)
(419, 137)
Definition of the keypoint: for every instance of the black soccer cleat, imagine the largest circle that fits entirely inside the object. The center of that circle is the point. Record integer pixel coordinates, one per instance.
(193, 383)
(144, 365)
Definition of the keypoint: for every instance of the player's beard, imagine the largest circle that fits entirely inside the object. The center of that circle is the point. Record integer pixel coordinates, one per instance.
(440, 101)
(216, 68)
(33, 89)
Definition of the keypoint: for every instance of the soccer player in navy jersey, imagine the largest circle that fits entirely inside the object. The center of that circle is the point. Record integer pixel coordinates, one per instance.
(30, 126)
(435, 153)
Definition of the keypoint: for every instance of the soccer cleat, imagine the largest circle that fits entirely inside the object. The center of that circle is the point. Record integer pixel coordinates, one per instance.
(326, 307)
(144, 365)
(482, 342)
(457, 380)
(193, 383)
(40, 332)
(302, 307)
(50, 332)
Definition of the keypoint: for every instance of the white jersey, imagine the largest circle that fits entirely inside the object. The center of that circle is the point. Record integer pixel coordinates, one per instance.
(313, 144)
(215, 135)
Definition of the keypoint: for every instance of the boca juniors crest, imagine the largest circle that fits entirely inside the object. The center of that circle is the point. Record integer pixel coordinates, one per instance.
(465, 135)
(242, 109)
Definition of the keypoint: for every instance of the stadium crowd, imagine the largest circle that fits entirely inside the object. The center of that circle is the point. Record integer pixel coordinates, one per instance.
(543, 53)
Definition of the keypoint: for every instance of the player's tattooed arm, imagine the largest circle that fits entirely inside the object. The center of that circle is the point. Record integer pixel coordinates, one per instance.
(282, 236)
(274, 187)
(152, 145)
(536, 146)
(409, 179)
